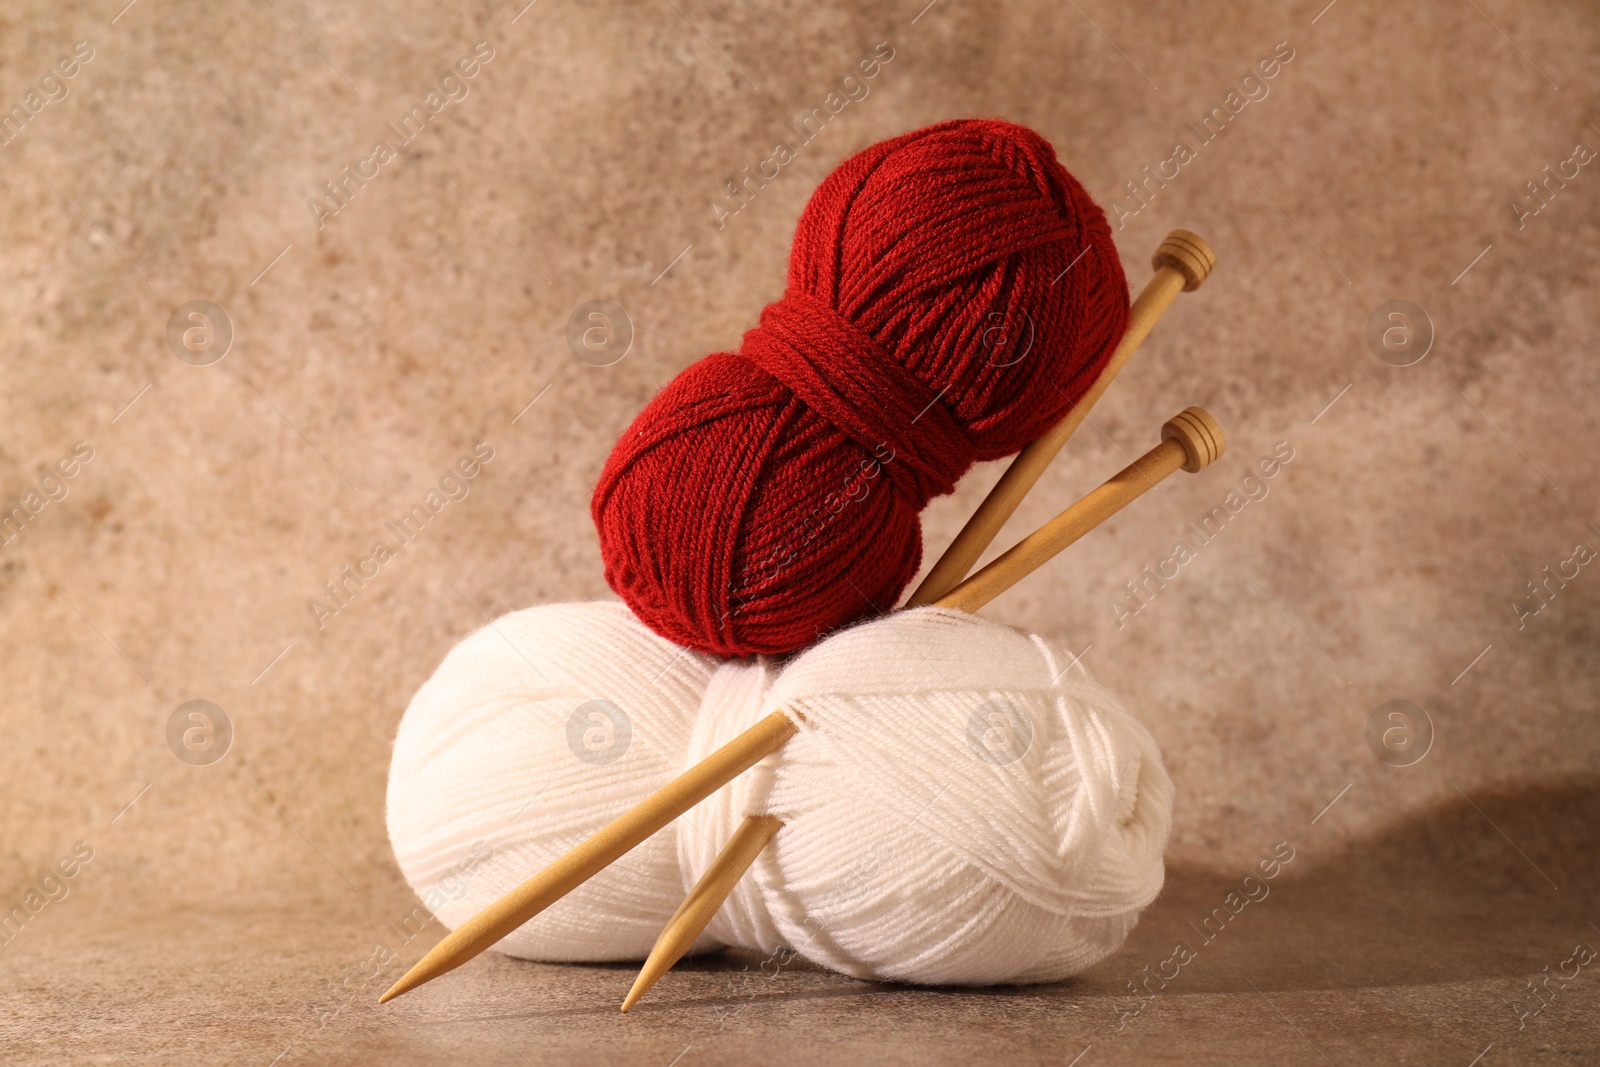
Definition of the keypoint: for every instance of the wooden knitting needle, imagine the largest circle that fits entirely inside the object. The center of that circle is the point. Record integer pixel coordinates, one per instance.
(1181, 262)
(1191, 440)
(599, 851)
(709, 893)
(703, 901)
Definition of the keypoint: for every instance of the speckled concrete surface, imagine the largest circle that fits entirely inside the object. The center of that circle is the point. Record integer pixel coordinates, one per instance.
(1429, 942)
(582, 161)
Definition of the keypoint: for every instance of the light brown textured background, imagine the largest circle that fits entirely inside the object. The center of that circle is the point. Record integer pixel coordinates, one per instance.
(427, 314)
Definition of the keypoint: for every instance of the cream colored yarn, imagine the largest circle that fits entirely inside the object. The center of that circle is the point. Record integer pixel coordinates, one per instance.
(483, 766)
(959, 806)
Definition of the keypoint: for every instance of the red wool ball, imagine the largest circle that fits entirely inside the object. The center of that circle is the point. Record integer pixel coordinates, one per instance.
(951, 293)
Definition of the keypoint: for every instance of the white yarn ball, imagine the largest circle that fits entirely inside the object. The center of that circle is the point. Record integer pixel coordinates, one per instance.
(958, 807)
(504, 761)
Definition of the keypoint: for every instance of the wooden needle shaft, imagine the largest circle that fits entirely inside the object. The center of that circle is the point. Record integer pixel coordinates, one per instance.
(1198, 441)
(1194, 443)
(1181, 263)
(1126, 486)
(598, 851)
(703, 901)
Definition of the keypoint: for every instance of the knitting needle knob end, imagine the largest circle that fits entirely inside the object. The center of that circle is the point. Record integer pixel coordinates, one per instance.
(1198, 433)
(1188, 254)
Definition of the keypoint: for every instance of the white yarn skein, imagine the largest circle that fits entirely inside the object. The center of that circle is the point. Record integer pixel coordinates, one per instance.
(516, 750)
(959, 807)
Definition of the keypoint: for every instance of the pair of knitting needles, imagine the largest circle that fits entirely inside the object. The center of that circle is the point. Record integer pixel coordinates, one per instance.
(1191, 440)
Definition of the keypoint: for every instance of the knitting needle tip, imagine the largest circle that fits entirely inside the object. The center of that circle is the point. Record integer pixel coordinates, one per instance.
(667, 952)
(703, 901)
(395, 990)
(424, 970)
(638, 990)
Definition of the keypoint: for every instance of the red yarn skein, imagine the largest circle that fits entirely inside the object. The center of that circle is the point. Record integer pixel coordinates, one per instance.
(951, 293)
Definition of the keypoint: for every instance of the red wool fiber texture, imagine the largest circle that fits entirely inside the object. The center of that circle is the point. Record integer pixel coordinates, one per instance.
(951, 293)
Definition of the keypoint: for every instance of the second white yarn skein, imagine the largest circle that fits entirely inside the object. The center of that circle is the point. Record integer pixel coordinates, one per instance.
(957, 808)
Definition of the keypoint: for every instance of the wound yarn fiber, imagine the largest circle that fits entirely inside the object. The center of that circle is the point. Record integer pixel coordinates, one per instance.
(959, 806)
(500, 766)
(951, 293)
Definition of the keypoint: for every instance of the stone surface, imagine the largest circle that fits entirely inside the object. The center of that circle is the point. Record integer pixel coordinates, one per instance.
(430, 312)
(1413, 945)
